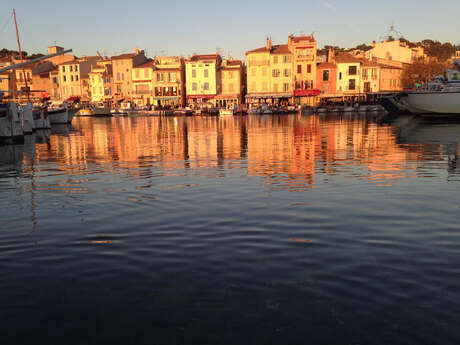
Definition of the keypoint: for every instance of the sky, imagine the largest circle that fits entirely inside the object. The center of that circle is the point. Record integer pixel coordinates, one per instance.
(171, 27)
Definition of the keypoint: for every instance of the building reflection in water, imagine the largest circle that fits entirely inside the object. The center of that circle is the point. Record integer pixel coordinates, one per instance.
(288, 152)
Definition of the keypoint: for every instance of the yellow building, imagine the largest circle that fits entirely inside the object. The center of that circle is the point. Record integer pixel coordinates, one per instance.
(168, 82)
(202, 76)
(370, 77)
(348, 74)
(73, 77)
(100, 79)
(395, 51)
(270, 74)
(7, 79)
(232, 83)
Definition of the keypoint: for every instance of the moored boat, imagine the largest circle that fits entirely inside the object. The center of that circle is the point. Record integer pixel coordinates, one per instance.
(10, 124)
(225, 112)
(27, 118)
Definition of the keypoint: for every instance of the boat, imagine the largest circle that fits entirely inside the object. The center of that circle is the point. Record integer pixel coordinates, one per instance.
(85, 112)
(28, 124)
(321, 110)
(58, 114)
(254, 111)
(10, 124)
(100, 109)
(41, 119)
(440, 96)
(225, 112)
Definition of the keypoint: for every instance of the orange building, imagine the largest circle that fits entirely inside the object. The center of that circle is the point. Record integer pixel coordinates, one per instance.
(326, 78)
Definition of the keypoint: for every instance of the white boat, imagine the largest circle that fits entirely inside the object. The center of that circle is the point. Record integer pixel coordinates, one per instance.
(28, 124)
(41, 118)
(10, 124)
(58, 114)
(225, 112)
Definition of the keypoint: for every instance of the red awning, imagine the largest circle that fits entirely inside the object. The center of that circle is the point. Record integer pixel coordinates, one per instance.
(73, 99)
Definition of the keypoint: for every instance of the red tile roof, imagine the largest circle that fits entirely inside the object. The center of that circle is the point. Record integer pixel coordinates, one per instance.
(275, 49)
(298, 39)
(124, 56)
(346, 58)
(327, 65)
(204, 57)
(149, 63)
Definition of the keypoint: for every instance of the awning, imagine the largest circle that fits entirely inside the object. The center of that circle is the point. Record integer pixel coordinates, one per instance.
(73, 99)
(269, 95)
(166, 98)
(223, 97)
(200, 96)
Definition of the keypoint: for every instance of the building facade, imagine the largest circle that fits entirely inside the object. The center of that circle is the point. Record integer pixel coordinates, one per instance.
(326, 78)
(100, 80)
(390, 78)
(7, 79)
(74, 77)
(348, 74)
(203, 79)
(142, 93)
(122, 66)
(232, 83)
(370, 77)
(168, 82)
(395, 51)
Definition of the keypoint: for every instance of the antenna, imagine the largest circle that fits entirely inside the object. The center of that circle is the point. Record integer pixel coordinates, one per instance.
(391, 34)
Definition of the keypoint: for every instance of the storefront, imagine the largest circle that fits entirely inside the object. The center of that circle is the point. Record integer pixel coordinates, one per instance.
(167, 101)
(198, 101)
(225, 101)
(308, 97)
(274, 99)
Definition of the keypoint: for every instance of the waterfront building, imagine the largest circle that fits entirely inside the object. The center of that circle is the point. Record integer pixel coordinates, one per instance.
(56, 60)
(122, 66)
(370, 76)
(326, 78)
(41, 80)
(74, 77)
(390, 78)
(304, 54)
(168, 81)
(203, 79)
(7, 79)
(232, 83)
(396, 50)
(100, 80)
(23, 76)
(269, 74)
(142, 84)
(348, 74)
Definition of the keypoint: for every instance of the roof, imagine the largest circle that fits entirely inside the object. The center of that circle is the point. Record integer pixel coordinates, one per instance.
(275, 49)
(389, 66)
(124, 56)
(44, 67)
(368, 63)
(327, 65)
(204, 57)
(298, 39)
(147, 64)
(71, 62)
(231, 64)
(346, 58)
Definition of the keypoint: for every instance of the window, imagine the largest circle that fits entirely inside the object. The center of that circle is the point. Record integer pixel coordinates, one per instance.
(63, 68)
(160, 77)
(172, 77)
(299, 69)
(352, 70)
(118, 88)
(118, 76)
(276, 73)
(65, 79)
(206, 73)
(194, 86)
(123, 76)
(351, 84)
(275, 59)
(193, 73)
(71, 68)
(76, 77)
(286, 73)
(71, 78)
(287, 59)
(137, 73)
(206, 86)
(54, 80)
(286, 87)
(146, 73)
(308, 68)
(76, 68)
(340, 76)
(326, 75)
(365, 73)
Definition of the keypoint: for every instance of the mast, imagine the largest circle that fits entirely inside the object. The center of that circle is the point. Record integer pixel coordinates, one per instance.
(20, 51)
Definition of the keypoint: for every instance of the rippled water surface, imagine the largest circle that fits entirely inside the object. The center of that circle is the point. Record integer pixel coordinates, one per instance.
(250, 230)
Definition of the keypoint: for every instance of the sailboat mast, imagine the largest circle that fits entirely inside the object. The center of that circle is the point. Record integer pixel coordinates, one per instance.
(20, 51)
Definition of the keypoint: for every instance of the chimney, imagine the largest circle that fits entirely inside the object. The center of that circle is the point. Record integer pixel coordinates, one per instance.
(269, 44)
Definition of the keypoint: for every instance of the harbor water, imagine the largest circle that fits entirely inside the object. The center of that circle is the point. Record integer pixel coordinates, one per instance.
(291, 229)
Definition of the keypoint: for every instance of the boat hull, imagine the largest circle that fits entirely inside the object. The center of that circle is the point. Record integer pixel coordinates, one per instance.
(432, 103)
(58, 116)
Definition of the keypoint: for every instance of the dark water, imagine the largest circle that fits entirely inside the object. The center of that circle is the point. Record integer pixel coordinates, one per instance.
(254, 230)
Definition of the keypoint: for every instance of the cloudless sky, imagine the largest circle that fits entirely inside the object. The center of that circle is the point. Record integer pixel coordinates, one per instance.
(171, 27)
